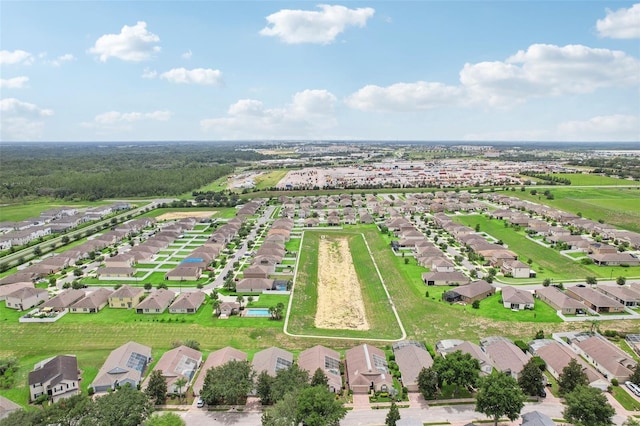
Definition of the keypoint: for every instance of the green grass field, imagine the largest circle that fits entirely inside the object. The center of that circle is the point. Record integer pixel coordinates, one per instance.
(595, 180)
(547, 262)
(18, 212)
(270, 179)
(382, 323)
(221, 212)
(618, 206)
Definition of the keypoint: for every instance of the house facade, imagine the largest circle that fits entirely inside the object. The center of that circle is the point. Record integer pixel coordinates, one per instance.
(56, 377)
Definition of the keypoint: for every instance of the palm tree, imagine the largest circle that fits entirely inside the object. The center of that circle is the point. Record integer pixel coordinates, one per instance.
(249, 299)
(216, 306)
(240, 300)
(179, 384)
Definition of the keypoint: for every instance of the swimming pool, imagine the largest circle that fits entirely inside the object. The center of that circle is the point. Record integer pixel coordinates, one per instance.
(257, 312)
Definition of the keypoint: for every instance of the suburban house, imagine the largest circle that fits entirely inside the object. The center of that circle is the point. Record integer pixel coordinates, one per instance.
(64, 299)
(505, 356)
(607, 358)
(272, 360)
(536, 418)
(26, 298)
(326, 360)
(184, 272)
(469, 293)
(560, 301)
(56, 377)
(258, 271)
(445, 347)
(445, 278)
(227, 309)
(558, 355)
(92, 302)
(367, 370)
(514, 298)
(595, 300)
(125, 365)
(614, 259)
(187, 303)
(126, 297)
(216, 359)
(623, 295)
(516, 269)
(254, 285)
(110, 272)
(122, 260)
(156, 303)
(411, 357)
(180, 362)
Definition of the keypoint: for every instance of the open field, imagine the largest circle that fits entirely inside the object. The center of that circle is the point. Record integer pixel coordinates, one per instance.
(200, 214)
(270, 179)
(382, 323)
(618, 206)
(547, 262)
(595, 180)
(340, 304)
(219, 212)
(18, 212)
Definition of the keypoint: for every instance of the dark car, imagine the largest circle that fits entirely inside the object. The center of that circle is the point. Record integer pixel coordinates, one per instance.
(542, 393)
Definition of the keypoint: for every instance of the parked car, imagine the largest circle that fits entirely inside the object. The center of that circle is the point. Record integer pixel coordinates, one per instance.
(200, 403)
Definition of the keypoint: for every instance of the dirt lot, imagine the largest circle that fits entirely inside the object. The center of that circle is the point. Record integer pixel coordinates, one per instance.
(183, 215)
(340, 304)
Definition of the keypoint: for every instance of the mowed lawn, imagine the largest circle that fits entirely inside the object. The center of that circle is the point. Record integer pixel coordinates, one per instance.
(382, 322)
(547, 262)
(270, 179)
(18, 212)
(580, 179)
(617, 206)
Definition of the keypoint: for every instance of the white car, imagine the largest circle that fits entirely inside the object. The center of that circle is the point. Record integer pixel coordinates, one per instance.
(200, 403)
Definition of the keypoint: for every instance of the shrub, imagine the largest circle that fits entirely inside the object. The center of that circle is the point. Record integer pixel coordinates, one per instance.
(475, 304)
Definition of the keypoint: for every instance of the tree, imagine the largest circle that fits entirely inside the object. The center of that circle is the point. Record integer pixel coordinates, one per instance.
(240, 300)
(179, 383)
(499, 395)
(546, 282)
(621, 280)
(317, 406)
(69, 411)
(263, 388)
(228, 383)
(635, 377)
(165, 419)
(591, 280)
(193, 344)
(37, 251)
(157, 387)
(148, 286)
(393, 415)
(284, 413)
(215, 303)
(125, 407)
(587, 406)
(24, 418)
(288, 380)
(319, 378)
(65, 239)
(428, 382)
(458, 369)
(571, 377)
(531, 380)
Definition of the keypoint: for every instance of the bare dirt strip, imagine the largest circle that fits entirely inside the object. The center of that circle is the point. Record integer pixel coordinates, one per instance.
(340, 303)
(184, 215)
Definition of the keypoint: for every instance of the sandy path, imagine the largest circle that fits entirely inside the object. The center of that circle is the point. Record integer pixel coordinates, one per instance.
(183, 215)
(340, 304)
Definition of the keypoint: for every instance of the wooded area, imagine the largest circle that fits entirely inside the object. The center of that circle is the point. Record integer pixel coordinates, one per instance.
(97, 171)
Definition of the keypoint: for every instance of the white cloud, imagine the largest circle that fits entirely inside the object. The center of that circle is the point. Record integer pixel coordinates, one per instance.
(133, 44)
(15, 57)
(187, 55)
(14, 83)
(548, 70)
(21, 120)
(13, 105)
(623, 23)
(203, 76)
(309, 112)
(617, 127)
(114, 117)
(540, 71)
(148, 73)
(67, 57)
(322, 27)
(420, 95)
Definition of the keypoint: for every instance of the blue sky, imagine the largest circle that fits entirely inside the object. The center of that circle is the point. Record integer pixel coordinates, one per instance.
(379, 70)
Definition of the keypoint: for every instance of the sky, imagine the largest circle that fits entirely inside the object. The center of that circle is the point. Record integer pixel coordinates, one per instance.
(263, 70)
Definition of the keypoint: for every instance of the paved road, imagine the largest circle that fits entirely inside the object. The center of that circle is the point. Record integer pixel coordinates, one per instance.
(455, 414)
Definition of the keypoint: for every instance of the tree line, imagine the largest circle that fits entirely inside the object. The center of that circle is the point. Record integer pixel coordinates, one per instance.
(94, 171)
